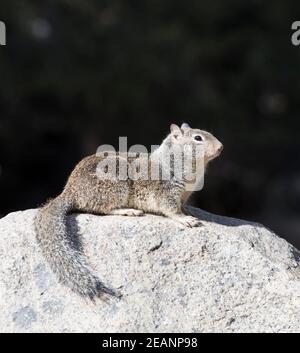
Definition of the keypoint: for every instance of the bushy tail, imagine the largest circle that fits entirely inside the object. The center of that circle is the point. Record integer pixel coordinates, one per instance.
(62, 251)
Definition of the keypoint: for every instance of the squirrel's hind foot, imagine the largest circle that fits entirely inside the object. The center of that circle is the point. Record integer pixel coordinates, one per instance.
(130, 212)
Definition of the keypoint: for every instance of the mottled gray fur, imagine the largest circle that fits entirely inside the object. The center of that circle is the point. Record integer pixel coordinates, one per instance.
(86, 192)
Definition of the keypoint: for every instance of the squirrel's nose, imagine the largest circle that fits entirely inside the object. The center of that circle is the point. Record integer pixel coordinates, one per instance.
(220, 149)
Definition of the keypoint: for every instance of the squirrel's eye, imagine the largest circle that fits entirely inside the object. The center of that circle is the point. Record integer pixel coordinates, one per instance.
(198, 138)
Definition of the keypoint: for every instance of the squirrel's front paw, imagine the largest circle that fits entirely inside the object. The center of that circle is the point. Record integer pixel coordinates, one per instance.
(188, 221)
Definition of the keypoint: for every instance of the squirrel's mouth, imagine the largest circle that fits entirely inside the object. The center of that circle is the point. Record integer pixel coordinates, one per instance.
(219, 151)
(215, 155)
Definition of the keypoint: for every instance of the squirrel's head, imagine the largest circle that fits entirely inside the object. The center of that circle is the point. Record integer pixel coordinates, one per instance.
(185, 135)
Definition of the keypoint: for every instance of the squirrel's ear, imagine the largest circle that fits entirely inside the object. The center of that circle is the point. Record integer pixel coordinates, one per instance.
(175, 130)
(185, 126)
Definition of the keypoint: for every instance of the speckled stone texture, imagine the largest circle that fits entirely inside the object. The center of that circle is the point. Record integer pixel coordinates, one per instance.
(226, 276)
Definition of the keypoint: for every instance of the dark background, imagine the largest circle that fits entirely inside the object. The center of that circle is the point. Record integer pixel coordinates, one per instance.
(76, 74)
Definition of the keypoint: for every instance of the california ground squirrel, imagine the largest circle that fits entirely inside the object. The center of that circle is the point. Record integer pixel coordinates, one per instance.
(86, 191)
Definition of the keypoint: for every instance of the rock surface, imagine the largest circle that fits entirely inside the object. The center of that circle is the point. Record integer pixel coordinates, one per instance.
(227, 276)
